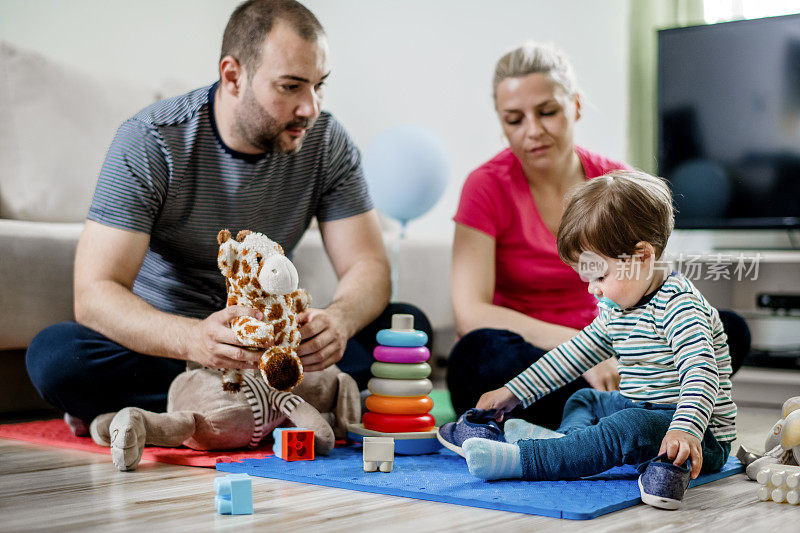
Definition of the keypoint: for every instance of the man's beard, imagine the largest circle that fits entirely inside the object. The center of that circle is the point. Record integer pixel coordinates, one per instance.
(260, 129)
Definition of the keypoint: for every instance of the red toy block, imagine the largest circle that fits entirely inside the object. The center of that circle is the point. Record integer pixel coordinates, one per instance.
(293, 444)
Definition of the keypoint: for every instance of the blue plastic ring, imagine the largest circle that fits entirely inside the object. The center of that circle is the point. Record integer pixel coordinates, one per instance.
(403, 339)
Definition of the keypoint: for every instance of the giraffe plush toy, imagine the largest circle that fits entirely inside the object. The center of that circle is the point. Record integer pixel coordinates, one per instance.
(244, 411)
(259, 275)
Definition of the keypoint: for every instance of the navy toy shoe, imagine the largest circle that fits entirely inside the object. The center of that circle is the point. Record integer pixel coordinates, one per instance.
(662, 484)
(474, 423)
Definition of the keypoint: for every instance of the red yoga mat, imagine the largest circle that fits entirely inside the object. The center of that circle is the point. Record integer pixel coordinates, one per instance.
(57, 433)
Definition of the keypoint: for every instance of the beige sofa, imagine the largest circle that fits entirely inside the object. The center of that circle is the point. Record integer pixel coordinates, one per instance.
(55, 126)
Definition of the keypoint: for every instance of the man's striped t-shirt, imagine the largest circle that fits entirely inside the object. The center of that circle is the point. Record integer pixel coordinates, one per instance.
(671, 349)
(168, 174)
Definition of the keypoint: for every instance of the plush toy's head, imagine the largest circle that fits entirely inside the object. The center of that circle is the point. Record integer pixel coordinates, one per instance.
(254, 263)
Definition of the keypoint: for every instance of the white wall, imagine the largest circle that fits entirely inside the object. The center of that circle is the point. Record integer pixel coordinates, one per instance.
(412, 61)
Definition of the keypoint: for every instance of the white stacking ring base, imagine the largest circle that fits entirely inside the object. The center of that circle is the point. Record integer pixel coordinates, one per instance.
(407, 443)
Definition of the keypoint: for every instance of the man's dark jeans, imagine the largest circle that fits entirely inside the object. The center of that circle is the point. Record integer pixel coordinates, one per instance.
(83, 373)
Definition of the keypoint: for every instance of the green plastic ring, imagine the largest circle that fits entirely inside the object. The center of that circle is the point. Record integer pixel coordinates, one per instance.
(401, 370)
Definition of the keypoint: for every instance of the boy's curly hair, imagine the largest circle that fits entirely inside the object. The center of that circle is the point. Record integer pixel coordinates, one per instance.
(609, 214)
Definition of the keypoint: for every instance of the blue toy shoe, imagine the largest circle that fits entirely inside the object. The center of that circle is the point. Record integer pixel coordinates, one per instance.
(663, 484)
(474, 423)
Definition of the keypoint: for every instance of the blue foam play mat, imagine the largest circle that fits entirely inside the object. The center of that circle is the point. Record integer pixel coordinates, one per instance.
(443, 477)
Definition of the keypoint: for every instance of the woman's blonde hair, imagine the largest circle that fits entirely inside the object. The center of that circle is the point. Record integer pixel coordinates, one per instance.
(610, 214)
(531, 58)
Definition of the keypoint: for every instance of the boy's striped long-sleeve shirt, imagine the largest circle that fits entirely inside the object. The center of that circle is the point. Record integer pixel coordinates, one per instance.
(671, 349)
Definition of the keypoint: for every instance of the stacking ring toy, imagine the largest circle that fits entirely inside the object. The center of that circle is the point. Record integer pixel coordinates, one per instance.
(398, 423)
(399, 387)
(398, 371)
(412, 337)
(417, 405)
(396, 354)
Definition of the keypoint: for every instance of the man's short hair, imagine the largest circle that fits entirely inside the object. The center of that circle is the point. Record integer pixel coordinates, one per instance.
(609, 214)
(252, 21)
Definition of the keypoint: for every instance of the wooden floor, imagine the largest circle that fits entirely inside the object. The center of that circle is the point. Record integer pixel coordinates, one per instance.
(44, 488)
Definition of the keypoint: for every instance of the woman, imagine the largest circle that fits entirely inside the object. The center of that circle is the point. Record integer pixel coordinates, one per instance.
(513, 297)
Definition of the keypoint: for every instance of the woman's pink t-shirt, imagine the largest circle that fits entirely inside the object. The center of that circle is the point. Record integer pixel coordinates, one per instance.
(529, 276)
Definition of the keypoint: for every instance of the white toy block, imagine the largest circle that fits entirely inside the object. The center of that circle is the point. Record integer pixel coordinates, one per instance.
(402, 322)
(378, 453)
(779, 483)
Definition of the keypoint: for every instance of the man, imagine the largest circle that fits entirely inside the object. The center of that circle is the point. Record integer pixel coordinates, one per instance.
(252, 151)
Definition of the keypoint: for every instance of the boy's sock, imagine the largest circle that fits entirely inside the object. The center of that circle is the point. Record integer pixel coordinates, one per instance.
(516, 429)
(489, 459)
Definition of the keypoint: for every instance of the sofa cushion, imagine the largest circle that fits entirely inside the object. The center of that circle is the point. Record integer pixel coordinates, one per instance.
(36, 269)
(56, 124)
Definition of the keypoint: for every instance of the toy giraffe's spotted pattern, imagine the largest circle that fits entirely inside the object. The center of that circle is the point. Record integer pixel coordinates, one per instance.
(251, 266)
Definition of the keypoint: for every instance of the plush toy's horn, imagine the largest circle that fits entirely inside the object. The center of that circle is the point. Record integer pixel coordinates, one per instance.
(223, 236)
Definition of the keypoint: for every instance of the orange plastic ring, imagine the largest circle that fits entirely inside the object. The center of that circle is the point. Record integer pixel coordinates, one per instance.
(397, 423)
(396, 405)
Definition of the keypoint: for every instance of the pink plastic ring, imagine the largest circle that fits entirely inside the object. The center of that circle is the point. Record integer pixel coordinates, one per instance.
(395, 354)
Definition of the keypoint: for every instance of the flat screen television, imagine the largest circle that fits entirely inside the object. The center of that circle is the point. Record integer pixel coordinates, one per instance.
(729, 122)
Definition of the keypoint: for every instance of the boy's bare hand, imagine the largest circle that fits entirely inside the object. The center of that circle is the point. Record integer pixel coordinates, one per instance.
(502, 399)
(679, 445)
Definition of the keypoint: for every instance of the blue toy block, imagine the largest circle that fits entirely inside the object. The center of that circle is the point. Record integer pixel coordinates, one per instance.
(234, 494)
